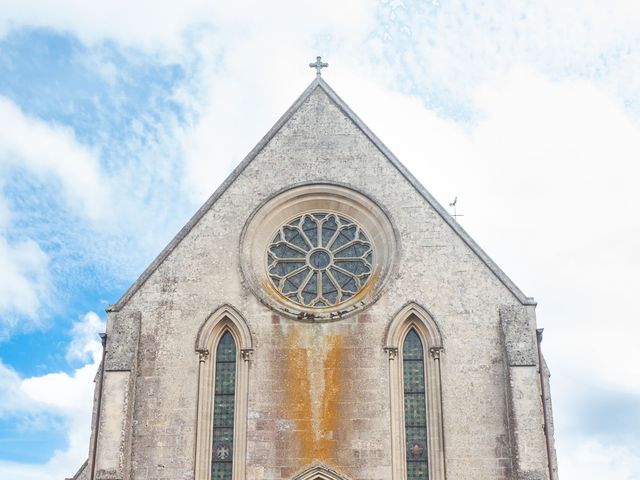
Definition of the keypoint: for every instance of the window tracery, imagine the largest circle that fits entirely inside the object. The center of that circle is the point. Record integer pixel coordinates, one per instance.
(320, 259)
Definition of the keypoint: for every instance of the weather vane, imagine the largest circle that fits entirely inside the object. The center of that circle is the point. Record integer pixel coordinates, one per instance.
(318, 65)
(455, 212)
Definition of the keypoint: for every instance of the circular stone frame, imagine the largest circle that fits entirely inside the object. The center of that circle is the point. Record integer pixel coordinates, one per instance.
(260, 229)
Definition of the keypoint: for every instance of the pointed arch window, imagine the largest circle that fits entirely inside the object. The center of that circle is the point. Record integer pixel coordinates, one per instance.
(415, 407)
(224, 346)
(414, 345)
(223, 408)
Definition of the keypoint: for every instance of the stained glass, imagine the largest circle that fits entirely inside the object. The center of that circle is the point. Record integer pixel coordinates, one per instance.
(223, 409)
(415, 410)
(320, 259)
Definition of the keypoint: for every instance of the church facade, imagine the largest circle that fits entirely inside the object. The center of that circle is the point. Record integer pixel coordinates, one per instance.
(322, 317)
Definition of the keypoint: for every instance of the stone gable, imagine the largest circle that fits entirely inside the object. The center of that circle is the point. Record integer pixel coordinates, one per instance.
(318, 393)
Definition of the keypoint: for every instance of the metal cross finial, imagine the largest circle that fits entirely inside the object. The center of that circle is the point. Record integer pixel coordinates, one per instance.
(318, 65)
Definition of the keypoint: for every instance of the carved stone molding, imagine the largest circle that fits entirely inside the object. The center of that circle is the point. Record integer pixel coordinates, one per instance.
(392, 352)
(203, 354)
(320, 472)
(435, 352)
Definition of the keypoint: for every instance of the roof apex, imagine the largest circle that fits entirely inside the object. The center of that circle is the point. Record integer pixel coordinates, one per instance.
(319, 82)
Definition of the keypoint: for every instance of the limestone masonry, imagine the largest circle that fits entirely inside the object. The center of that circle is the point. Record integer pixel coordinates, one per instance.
(372, 341)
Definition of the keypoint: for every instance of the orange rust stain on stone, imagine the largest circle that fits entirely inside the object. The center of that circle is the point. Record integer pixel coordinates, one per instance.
(318, 446)
(332, 384)
(273, 291)
(298, 395)
(368, 288)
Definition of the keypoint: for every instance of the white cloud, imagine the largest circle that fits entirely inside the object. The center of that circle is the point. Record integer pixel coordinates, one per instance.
(162, 25)
(227, 122)
(5, 212)
(592, 460)
(55, 394)
(85, 343)
(24, 283)
(52, 152)
(12, 397)
(457, 45)
(250, 55)
(560, 162)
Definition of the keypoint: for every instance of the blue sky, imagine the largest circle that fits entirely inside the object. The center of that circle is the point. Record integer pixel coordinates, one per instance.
(119, 119)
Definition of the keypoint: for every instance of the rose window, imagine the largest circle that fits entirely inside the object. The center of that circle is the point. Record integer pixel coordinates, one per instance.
(320, 259)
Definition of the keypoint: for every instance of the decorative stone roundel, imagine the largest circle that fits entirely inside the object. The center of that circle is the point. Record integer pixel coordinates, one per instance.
(320, 259)
(318, 252)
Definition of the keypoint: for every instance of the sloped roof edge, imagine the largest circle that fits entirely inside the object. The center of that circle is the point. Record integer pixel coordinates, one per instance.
(319, 82)
(184, 231)
(466, 238)
(80, 470)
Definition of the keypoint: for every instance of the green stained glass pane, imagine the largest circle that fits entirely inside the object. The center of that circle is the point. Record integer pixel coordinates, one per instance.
(416, 443)
(412, 348)
(413, 374)
(223, 436)
(225, 377)
(417, 471)
(223, 409)
(226, 349)
(415, 410)
(221, 471)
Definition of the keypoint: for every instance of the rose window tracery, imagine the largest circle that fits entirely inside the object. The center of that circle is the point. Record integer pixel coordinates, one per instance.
(320, 259)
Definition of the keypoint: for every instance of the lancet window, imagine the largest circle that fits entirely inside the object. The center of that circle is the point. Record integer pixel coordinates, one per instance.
(414, 346)
(415, 408)
(223, 409)
(224, 349)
